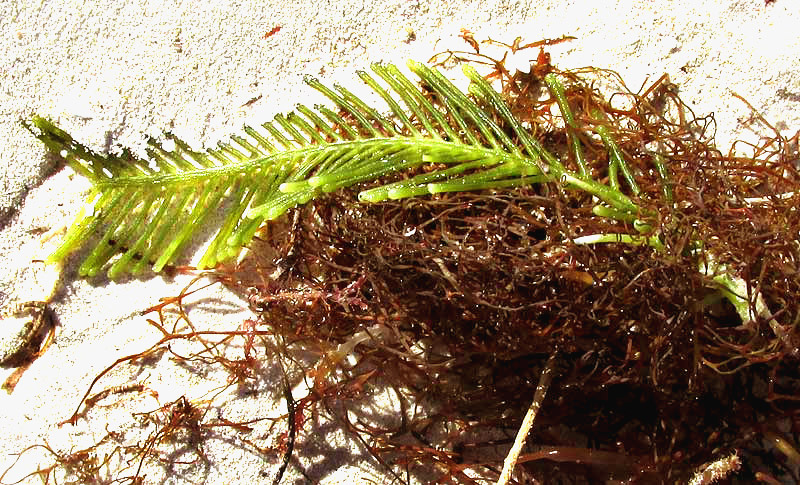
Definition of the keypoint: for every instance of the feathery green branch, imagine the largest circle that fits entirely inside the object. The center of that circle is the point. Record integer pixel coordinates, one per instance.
(149, 210)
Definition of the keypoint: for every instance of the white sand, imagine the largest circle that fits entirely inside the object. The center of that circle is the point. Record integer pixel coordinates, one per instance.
(109, 71)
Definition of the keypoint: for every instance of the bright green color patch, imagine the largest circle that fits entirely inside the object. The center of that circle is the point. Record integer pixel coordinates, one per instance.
(148, 210)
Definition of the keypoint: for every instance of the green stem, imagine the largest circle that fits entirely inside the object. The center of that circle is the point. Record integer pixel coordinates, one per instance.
(557, 90)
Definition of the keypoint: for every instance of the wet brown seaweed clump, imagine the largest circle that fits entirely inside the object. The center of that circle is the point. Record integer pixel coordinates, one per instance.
(423, 325)
(455, 302)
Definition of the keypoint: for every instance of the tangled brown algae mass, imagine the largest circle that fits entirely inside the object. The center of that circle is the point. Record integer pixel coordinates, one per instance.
(658, 375)
(453, 303)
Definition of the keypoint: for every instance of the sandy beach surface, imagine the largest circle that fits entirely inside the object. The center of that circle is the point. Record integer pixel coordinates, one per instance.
(110, 72)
